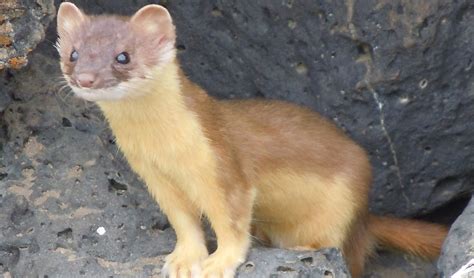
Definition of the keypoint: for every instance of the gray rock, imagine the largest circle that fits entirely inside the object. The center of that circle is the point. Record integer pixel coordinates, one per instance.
(458, 249)
(263, 262)
(22, 27)
(61, 178)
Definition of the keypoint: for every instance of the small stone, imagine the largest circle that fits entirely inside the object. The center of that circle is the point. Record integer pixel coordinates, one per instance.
(291, 24)
(101, 231)
(301, 69)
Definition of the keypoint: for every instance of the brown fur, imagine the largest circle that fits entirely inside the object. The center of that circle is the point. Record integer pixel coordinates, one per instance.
(359, 246)
(416, 237)
(272, 168)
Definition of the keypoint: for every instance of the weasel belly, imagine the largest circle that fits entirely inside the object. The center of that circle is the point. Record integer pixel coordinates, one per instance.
(312, 181)
(303, 209)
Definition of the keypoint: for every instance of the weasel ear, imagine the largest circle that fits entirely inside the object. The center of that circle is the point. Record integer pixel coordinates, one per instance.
(69, 18)
(155, 21)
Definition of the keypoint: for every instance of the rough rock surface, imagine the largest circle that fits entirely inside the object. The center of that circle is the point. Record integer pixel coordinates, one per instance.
(325, 263)
(458, 249)
(396, 75)
(61, 179)
(22, 27)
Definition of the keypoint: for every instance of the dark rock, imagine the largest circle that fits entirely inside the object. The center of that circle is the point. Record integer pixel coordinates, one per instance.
(263, 262)
(5, 100)
(22, 27)
(458, 249)
(9, 256)
(393, 264)
(117, 187)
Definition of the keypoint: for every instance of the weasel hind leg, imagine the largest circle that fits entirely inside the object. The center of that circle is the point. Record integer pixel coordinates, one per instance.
(314, 213)
(359, 246)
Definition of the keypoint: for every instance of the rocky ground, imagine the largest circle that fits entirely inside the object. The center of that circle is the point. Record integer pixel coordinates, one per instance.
(403, 88)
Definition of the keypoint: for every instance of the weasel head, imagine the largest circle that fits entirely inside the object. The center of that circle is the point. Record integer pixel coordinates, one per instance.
(109, 57)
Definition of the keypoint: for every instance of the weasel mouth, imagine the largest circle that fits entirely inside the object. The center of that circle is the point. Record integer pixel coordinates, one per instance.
(111, 91)
(79, 91)
(100, 94)
(86, 85)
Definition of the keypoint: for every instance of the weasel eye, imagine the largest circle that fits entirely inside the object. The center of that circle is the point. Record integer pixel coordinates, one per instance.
(74, 56)
(123, 58)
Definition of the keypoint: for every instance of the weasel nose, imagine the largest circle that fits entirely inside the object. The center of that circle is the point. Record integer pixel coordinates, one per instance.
(86, 80)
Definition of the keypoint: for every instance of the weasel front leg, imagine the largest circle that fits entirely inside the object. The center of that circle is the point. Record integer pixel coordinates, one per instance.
(184, 217)
(229, 209)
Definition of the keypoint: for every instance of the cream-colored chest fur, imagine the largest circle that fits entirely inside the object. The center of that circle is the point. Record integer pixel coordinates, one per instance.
(159, 136)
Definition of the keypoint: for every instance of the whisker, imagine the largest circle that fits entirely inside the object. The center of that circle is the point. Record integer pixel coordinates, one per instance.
(64, 88)
(53, 44)
(62, 97)
(58, 85)
(69, 94)
(87, 104)
(59, 78)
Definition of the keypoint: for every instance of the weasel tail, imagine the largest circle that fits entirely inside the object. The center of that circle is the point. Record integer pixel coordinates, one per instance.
(415, 237)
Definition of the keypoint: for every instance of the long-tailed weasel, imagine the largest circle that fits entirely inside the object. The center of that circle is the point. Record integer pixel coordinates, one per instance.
(270, 168)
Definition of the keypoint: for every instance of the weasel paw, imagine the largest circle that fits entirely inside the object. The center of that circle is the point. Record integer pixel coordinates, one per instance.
(181, 264)
(220, 266)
